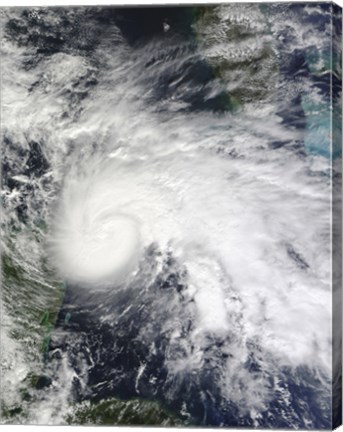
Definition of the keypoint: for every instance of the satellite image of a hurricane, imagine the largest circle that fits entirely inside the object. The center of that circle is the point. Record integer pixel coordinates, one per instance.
(166, 220)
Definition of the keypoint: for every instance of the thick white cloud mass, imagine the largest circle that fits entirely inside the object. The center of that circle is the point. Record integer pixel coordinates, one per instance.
(250, 224)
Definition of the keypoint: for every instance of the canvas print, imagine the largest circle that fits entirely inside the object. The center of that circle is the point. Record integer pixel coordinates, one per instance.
(171, 215)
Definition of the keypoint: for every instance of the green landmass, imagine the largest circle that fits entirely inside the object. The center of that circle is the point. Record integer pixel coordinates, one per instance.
(117, 412)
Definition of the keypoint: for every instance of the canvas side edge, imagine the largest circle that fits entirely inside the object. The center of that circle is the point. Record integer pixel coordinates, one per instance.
(336, 83)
